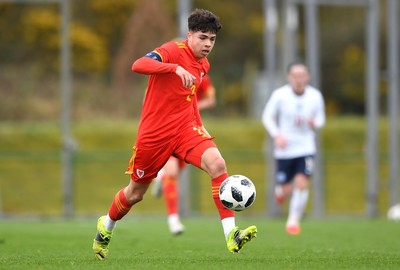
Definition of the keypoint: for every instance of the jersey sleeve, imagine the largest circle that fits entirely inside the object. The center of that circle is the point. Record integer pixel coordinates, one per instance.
(169, 52)
(269, 115)
(160, 60)
(206, 82)
(205, 86)
(320, 111)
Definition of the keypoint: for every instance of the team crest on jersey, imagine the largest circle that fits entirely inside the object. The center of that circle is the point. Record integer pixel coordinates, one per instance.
(140, 173)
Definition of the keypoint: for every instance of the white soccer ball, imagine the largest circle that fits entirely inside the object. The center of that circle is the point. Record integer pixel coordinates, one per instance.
(394, 212)
(237, 192)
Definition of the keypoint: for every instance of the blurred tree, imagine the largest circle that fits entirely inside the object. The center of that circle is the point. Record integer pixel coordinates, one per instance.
(351, 79)
(108, 35)
(41, 34)
(342, 58)
(239, 43)
(108, 18)
(149, 26)
(89, 50)
(105, 20)
(36, 39)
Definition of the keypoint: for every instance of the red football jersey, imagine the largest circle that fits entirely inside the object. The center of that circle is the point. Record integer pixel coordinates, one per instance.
(204, 86)
(169, 106)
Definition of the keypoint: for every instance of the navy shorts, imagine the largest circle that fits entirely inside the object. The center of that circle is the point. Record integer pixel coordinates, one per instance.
(286, 169)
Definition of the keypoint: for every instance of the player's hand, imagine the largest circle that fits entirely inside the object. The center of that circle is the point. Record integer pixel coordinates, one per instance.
(187, 78)
(280, 141)
(311, 122)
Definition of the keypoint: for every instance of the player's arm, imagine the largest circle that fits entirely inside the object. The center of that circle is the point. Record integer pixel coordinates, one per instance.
(153, 63)
(270, 123)
(269, 115)
(318, 120)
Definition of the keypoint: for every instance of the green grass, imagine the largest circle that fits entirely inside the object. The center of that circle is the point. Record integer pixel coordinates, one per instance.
(30, 165)
(145, 243)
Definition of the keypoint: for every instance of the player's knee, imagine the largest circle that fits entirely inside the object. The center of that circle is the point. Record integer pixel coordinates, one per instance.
(301, 181)
(301, 186)
(217, 167)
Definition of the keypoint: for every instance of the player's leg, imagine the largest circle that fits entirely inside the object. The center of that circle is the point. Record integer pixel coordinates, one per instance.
(210, 160)
(284, 175)
(156, 189)
(171, 195)
(143, 167)
(282, 192)
(120, 206)
(207, 157)
(298, 203)
(300, 193)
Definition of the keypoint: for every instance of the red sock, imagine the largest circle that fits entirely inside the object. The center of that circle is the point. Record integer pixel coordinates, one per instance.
(119, 207)
(170, 193)
(215, 184)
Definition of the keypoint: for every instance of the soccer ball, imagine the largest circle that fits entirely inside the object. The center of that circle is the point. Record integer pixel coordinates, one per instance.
(394, 213)
(237, 192)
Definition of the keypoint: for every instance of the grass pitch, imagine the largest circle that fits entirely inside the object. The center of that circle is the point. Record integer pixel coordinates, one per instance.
(145, 243)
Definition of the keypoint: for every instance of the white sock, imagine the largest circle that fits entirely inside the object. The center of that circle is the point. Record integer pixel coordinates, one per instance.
(298, 203)
(109, 224)
(173, 218)
(228, 224)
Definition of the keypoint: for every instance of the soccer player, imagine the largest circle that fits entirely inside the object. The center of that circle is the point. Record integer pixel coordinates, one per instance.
(291, 116)
(166, 182)
(170, 125)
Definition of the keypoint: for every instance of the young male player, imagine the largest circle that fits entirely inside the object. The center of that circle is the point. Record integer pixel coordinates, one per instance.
(166, 182)
(291, 116)
(170, 125)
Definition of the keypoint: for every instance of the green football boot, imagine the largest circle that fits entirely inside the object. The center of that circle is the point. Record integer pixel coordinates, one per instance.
(237, 238)
(102, 240)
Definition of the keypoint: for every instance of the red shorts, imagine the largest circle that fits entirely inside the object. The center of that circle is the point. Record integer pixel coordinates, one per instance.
(189, 145)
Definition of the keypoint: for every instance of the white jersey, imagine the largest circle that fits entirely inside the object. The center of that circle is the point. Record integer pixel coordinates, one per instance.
(287, 113)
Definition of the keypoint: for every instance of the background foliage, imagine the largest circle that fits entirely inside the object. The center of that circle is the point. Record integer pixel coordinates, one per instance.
(108, 35)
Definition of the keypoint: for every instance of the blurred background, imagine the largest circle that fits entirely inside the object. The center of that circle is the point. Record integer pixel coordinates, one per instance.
(69, 103)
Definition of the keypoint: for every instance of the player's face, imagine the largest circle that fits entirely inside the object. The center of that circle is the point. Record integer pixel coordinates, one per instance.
(298, 78)
(201, 43)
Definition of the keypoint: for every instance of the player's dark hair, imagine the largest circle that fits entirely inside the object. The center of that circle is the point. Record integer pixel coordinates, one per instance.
(295, 63)
(204, 21)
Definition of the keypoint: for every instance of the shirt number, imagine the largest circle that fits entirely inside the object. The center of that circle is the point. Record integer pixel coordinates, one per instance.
(193, 90)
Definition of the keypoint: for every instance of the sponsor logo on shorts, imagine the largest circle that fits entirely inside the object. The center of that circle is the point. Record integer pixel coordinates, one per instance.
(281, 177)
(140, 173)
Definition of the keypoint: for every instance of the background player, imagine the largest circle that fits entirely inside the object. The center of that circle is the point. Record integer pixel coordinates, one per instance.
(291, 116)
(170, 125)
(166, 182)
